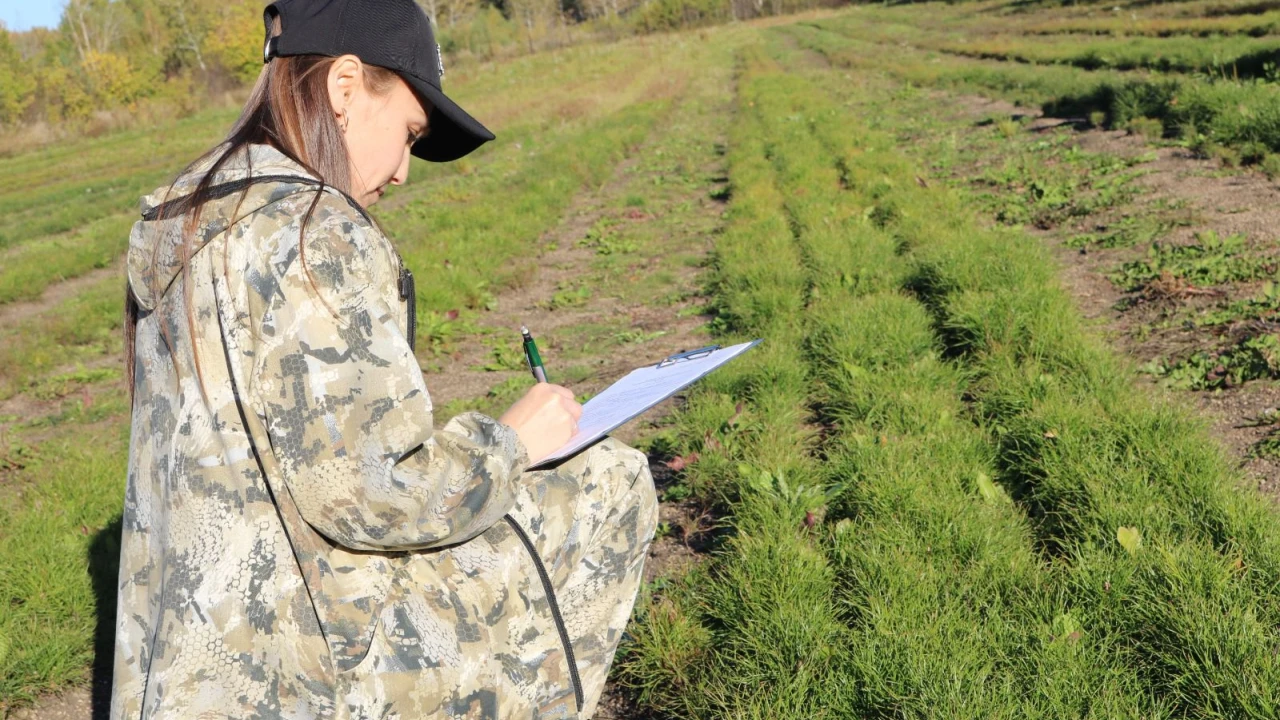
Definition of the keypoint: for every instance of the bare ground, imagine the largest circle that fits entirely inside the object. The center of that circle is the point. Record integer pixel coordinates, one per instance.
(1225, 202)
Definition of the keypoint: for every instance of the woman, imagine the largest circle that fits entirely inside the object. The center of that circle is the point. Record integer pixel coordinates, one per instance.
(298, 541)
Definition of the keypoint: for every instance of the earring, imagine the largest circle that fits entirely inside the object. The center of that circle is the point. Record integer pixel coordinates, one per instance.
(346, 118)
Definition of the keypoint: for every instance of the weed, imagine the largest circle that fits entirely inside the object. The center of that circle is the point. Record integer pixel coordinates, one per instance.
(1148, 128)
(568, 295)
(1128, 231)
(676, 493)
(504, 356)
(1269, 445)
(1211, 260)
(1253, 358)
(1265, 304)
(1270, 166)
(628, 337)
(62, 385)
(496, 400)
(1229, 156)
(437, 331)
(1008, 128)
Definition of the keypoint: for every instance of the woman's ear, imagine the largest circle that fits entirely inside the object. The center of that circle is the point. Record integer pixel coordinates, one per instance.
(346, 76)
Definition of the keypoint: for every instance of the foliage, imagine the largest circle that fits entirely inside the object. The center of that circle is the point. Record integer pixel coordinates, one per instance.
(1210, 260)
(1253, 358)
(112, 55)
(235, 40)
(666, 15)
(17, 87)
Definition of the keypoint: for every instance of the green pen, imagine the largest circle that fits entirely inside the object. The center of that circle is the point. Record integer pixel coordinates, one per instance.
(531, 355)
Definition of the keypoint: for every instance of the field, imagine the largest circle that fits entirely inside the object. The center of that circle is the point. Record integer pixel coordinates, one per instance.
(1005, 451)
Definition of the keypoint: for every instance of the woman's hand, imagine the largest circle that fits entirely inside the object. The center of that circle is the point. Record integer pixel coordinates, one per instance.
(544, 419)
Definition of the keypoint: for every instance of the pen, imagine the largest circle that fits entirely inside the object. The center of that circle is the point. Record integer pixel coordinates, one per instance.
(532, 357)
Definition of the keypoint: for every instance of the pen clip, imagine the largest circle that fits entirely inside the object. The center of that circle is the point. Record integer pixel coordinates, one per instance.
(688, 355)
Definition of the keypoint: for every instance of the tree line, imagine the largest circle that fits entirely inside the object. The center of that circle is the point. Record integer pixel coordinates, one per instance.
(118, 55)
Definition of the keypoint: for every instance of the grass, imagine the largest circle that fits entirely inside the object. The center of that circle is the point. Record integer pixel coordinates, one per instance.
(54, 531)
(84, 328)
(1232, 104)
(1127, 24)
(1229, 56)
(990, 520)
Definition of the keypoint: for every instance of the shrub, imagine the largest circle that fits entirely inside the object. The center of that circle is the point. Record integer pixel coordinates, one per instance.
(1149, 128)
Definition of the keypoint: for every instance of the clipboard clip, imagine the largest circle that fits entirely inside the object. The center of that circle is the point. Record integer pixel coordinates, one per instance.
(688, 355)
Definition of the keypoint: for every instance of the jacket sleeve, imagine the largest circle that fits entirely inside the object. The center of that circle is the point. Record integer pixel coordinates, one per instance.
(346, 408)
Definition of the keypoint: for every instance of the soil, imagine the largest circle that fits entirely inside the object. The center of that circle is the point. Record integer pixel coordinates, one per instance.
(1220, 200)
(75, 704)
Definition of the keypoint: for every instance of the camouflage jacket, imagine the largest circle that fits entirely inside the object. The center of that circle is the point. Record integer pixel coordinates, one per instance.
(283, 461)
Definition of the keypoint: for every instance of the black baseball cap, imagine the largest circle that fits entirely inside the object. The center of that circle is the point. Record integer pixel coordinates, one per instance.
(394, 34)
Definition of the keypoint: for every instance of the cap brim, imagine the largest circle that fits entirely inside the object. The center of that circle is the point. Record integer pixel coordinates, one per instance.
(451, 132)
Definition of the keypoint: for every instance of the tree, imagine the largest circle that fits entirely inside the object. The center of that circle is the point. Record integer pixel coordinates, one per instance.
(432, 8)
(235, 42)
(94, 25)
(532, 13)
(111, 79)
(190, 23)
(17, 85)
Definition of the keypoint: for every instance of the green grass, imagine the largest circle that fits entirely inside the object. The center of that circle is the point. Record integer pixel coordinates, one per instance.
(81, 329)
(1130, 24)
(60, 550)
(1222, 56)
(69, 207)
(992, 522)
(1233, 104)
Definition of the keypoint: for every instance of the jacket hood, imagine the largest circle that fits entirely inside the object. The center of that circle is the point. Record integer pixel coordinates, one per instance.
(155, 256)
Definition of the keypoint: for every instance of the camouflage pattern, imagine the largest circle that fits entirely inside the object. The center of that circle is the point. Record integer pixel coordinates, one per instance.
(298, 541)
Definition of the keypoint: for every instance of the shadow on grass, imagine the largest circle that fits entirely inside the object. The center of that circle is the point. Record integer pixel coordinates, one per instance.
(104, 569)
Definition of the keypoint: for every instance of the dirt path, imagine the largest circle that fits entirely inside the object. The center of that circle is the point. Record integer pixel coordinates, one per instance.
(462, 376)
(11, 314)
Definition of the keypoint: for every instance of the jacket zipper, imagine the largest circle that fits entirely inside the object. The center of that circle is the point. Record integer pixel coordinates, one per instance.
(547, 589)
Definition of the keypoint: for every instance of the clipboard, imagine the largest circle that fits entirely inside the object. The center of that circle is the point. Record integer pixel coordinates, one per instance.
(640, 390)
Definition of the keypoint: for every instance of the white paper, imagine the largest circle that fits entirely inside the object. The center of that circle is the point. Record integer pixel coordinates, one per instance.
(638, 391)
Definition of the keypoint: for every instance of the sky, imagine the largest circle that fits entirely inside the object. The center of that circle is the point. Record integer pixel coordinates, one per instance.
(26, 14)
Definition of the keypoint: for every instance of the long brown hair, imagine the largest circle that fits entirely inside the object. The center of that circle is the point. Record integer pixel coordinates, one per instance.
(288, 109)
